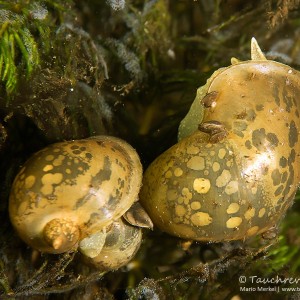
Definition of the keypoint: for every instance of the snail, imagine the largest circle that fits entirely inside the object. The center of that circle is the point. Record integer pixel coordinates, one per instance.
(121, 244)
(235, 169)
(69, 194)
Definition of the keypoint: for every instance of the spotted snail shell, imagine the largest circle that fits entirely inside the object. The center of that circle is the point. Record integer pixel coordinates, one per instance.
(69, 194)
(235, 170)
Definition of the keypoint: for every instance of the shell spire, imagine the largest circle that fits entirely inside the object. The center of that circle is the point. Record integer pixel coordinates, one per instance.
(256, 53)
(61, 234)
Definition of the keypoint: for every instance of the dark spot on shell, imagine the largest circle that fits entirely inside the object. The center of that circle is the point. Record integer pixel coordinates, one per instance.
(122, 183)
(260, 107)
(272, 138)
(278, 190)
(248, 144)
(81, 201)
(74, 147)
(119, 163)
(112, 201)
(290, 181)
(251, 115)
(238, 133)
(283, 162)
(258, 138)
(242, 115)
(276, 177)
(88, 155)
(292, 157)
(293, 134)
(288, 101)
(276, 94)
(284, 177)
(240, 125)
(76, 152)
(104, 173)
(82, 148)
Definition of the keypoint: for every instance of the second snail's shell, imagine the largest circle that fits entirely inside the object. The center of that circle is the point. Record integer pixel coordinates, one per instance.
(121, 244)
(71, 190)
(242, 182)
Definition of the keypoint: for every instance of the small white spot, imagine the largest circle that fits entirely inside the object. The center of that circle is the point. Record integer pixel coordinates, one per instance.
(222, 153)
(216, 166)
(223, 179)
(234, 222)
(232, 187)
(178, 172)
(195, 205)
(233, 208)
(261, 212)
(201, 219)
(249, 213)
(201, 185)
(196, 163)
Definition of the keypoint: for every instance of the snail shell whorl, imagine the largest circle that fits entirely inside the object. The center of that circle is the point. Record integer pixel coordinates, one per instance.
(61, 234)
(122, 242)
(71, 190)
(238, 174)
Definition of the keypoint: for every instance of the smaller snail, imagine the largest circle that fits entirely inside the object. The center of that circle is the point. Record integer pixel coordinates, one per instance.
(235, 169)
(121, 244)
(72, 193)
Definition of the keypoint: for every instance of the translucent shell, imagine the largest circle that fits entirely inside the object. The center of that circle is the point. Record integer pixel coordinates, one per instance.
(122, 242)
(241, 184)
(72, 190)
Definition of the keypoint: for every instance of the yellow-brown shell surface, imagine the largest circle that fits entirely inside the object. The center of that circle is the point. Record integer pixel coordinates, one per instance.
(86, 183)
(241, 184)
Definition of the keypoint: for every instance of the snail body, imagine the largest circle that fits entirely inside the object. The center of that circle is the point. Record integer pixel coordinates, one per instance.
(66, 195)
(234, 171)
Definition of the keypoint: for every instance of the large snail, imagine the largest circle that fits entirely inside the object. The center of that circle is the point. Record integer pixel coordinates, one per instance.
(71, 194)
(235, 170)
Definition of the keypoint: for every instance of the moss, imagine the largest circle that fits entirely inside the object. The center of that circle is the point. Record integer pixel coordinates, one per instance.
(24, 36)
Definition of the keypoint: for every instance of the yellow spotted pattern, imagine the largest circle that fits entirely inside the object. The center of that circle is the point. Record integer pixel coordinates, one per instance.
(241, 176)
(83, 185)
